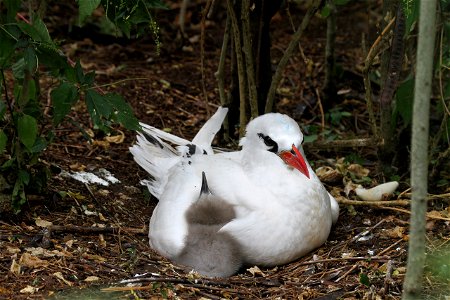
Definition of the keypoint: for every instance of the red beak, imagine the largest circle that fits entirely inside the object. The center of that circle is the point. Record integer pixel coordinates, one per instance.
(295, 159)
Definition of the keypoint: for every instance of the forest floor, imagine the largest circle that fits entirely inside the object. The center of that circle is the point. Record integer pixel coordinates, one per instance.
(89, 241)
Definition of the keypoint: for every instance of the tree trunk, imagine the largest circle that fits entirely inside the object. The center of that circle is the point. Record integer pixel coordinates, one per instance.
(412, 286)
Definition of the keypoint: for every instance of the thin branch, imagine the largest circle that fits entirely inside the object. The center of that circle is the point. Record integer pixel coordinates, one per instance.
(276, 78)
(90, 230)
(240, 65)
(374, 203)
(220, 74)
(220, 69)
(390, 87)
(373, 52)
(402, 210)
(249, 61)
(329, 86)
(117, 82)
(322, 114)
(202, 56)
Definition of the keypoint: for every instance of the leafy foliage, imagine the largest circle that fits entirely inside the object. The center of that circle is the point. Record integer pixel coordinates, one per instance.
(128, 16)
(26, 49)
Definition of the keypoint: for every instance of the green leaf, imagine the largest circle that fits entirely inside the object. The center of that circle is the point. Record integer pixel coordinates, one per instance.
(63, 98)
(336, 115)
(325, 12)
(39, 145)
(6, 49)
(24, 176)
(89, 78)
(31, 93)
(30, 60)
(18, 195)
(100, 104)
(124, 113)
(364, 279)
(404, 100)
(79, 72)
(18, 68)
(71, 74)
(411, 11)
(27, 130)
(3, 140)
(37, 31)
(12, 7)
(85, 9)
(52, 58)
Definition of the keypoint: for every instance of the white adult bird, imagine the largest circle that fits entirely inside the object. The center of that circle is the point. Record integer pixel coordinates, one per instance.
(281, 209)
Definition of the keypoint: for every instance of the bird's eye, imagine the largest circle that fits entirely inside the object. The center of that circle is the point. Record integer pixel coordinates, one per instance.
(273, 146)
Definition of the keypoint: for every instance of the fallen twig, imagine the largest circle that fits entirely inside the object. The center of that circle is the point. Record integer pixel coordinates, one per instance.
(366, 232)
(374, 203)
(428, 215)
(431, 196)
(356, 258)
(90, 229)
(390, 247)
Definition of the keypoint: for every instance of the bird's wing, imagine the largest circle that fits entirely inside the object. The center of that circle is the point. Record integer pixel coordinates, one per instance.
(206, 134)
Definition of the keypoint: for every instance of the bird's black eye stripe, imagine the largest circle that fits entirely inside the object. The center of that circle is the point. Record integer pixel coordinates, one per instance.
(273, 146)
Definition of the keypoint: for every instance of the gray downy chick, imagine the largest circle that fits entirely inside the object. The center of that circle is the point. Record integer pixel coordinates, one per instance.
(208, 251)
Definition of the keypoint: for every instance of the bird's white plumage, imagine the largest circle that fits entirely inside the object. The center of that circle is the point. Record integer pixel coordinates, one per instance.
(281, 214)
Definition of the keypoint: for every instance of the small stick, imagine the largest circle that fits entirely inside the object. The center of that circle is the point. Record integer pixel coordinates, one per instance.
(388, 279)
(86, 229)
(356, 258)
(374, 203)
(408, 212)
(202, 56)
(365, 232)
(390, 247)
(348, 272)
(432, 197)
(322, 115)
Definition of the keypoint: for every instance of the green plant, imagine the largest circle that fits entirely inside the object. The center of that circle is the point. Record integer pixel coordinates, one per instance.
(132, 16)
(28, 53)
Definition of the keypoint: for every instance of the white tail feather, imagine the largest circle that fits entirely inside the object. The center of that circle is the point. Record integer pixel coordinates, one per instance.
(153, 153)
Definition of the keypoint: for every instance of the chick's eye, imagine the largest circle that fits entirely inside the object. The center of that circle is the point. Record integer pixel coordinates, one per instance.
(273, 146)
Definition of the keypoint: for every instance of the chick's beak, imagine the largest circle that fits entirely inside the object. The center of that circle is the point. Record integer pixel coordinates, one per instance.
(295, 159)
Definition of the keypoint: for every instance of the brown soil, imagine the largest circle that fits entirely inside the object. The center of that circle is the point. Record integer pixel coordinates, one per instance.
(166, 91)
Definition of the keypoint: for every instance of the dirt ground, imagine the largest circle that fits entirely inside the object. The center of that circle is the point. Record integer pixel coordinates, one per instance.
(88, 241)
